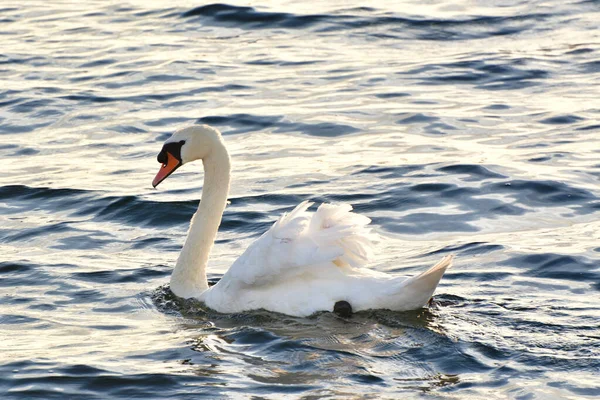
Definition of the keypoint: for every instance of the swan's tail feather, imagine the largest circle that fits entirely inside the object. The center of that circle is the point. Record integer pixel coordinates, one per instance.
(336, 225)
(417, 291)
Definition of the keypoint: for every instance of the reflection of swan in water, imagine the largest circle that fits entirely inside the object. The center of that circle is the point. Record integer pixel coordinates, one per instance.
(305, 263)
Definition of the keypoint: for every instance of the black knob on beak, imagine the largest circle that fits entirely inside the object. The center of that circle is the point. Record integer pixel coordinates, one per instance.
(162, 157)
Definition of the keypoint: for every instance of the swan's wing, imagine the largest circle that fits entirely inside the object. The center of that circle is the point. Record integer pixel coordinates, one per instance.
(301, 240)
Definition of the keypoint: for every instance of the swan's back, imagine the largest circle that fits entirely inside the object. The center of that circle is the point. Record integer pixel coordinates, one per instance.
(308, 261)
(301, 240)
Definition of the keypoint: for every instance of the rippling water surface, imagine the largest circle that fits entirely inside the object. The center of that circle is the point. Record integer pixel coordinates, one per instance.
(458, 127)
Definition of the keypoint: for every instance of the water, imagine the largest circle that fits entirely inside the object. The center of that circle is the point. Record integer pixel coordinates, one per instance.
(457, 127)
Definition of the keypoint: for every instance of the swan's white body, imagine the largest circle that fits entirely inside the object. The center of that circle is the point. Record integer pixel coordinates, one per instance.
(305, 263)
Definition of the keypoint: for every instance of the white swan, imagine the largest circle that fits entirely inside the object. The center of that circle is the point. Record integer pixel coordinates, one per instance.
(306, 262)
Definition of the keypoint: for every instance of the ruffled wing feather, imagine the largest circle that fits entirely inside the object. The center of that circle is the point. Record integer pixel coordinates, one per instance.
(300, 240)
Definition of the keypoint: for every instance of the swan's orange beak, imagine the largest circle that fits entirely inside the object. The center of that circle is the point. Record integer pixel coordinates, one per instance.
(167, 169)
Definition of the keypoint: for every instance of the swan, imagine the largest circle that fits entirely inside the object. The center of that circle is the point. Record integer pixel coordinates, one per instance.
(305, 263)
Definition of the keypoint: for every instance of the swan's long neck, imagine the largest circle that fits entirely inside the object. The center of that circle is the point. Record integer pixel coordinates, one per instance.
(189, 277)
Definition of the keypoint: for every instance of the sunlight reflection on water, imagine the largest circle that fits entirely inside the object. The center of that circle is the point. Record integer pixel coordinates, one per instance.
(457, 128)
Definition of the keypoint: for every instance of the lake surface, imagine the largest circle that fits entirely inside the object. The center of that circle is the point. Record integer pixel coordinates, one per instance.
(457, 127)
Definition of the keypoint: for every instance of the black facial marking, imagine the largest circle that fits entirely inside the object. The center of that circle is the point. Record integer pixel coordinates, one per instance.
(174, 148)
(343, 309)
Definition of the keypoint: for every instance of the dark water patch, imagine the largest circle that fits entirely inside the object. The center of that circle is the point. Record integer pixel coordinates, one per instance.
(417, 118)
(27, 234)
(10, 128)
(31, 105)
(392, 95)
(445, 29)
(161, 78)
(244, 123)
(438, 128)
(593, 127)
(423, 223)
(308, 183)
(245, 222)
(132, 210)
(390, 172)
(149, 242)
(542, 193)
(477, 276)
(262, 62)
(9, 267)
(298, 63)
(38, 380)
(540, 159)
(487, 74)
(35, 60)
(561, 120)
(78, 30)
(556, 266)
(23, 274)
(532, 145)
(590, 392)
(389, 202)
(367, 379)
(109, 327)
(473, 171)
(323, 129)
(16, 319)
(98, 63)
(248, 17)
(507, 209)
(89, 98)
(10, 92)
(121, 308)
(166, 121)
(251, 336)
(79, 296)
(43, 307)
(121, 276)
(168, 78)
(163, 12)
(549, 157)
(497, 107)
(8, 146)
(342, 198)
(286, 200)
(10, 102)
(591, 67)
(584, 50)
(432, 187)
(125, 209)
(402, 196)
(421, 28)
(23, 198)
(472, 248)
(122, 172)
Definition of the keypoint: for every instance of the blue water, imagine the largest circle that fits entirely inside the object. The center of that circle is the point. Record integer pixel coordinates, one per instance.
(460, 127)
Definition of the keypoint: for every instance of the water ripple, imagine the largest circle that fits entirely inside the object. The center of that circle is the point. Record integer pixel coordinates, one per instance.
(458, 128)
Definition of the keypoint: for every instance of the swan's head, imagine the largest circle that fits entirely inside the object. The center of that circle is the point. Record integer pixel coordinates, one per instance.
(185, 145)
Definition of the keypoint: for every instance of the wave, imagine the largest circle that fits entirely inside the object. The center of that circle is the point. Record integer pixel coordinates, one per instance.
(423, 28)
(474, 202)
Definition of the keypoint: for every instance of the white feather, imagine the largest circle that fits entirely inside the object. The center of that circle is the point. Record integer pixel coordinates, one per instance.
(305, 263)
